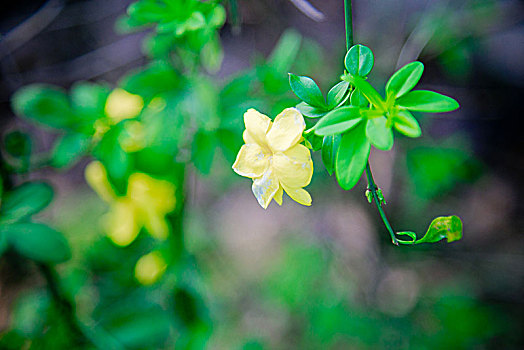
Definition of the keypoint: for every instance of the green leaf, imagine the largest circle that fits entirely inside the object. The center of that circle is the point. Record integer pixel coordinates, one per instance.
(69, 149)
(30, 313)
(379, 134)
(330, 147)
(44, 104)
(405, 123)
(358, 99)
(212, 55)
(336, 95)
(18, 144)
(111, 154)
(307, 90)
(367, 90)
(448, 227)
(427, 101)
(338, 121)
(285, 52)
(217, 18)
(138, 329)
(404, 79)
(310, 111)
(359, 60)
(89, 99)
(156, 78)
(314, 141)
(37, 242)
(25, 200)
(352, 157)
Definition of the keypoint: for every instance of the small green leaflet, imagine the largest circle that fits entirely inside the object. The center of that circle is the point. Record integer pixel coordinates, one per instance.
(330, 147)
(427, 101)
(337, 93)
(37, 242)
(25, 200)
(405, 123)
(359, 60)
(379, 134)
(404, 79)
(307, 90)
(309, 111)
(448, 227)
(338, 121)
(352, 157)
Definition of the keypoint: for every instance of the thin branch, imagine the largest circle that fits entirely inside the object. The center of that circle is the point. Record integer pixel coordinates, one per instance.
(306, 8)
(28, 29)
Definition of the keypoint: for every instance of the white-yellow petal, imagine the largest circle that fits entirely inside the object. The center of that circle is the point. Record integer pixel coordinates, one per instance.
(252, 161)
(265, 187)
(257, 125)
(286, 130)
(294, 167)
(278, 195)
(299, 195)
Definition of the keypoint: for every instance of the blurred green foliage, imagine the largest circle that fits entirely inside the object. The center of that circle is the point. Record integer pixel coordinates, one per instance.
(184, 119)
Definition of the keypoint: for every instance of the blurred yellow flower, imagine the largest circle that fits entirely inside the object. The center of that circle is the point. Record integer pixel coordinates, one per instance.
(150, 268)
(145, 205)
(121, 105)
(274, 158)
(133, 139)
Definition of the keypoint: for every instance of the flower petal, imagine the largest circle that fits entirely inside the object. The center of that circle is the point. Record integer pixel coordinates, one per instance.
(265, 187)
(96, 177)
(251, 161)
(278, 196)
(122, 222)
(294, 167)
(299, 195)
(286, 130)
(156, 224)
(257, 125)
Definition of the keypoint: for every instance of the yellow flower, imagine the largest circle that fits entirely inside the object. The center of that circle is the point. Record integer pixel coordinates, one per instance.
(121, 105)
(145, 205)
(274, 158)
(133, 139)
(150, 268)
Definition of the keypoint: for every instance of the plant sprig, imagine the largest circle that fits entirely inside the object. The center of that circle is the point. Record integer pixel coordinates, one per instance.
(355, 116)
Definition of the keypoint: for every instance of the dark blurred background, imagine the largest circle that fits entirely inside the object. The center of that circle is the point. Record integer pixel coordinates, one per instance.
(296, 277)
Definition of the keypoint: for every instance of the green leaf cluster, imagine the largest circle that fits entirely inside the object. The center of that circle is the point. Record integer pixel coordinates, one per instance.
(189, 28)
(359, 117)
(34, 241)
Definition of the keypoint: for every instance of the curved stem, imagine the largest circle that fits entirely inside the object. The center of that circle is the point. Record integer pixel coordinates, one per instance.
(372, 186)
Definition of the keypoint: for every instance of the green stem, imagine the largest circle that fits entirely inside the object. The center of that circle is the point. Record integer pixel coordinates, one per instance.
(372, 186)
(349, 24)
(66, 307)
(63, 304)
(371, 182)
